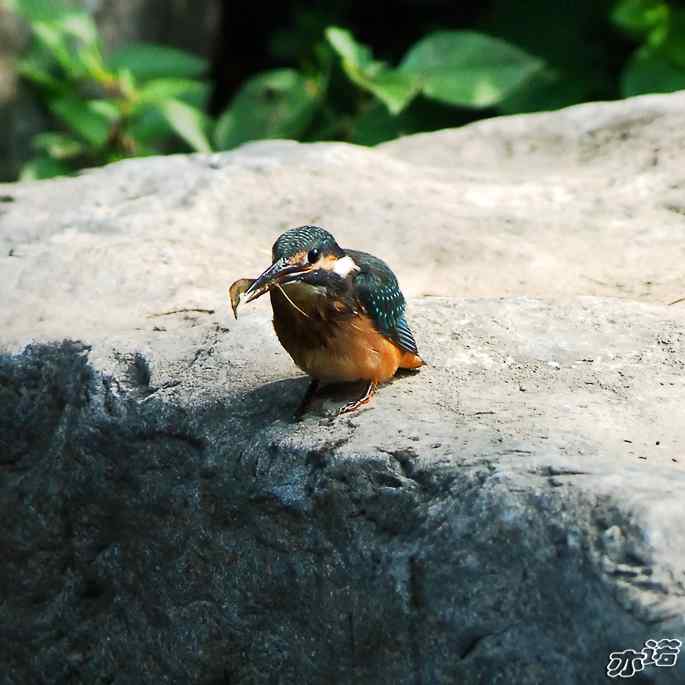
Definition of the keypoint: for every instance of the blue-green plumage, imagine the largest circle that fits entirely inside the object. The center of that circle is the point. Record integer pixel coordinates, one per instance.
(373, 288)
(302, 239)
(339, 313)
(379, 294)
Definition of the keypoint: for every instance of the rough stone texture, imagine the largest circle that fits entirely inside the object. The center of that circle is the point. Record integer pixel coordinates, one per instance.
(509, 514)
(138, 237)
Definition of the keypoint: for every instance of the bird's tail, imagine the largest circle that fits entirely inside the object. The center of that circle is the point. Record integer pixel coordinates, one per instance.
(410, 360)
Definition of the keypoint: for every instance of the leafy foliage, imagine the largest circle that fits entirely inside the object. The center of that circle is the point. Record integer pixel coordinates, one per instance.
(456, 68)
(658, 65)
(133, 102)
(392, 87)
(149, 99)
(275, 104)
(468, 68)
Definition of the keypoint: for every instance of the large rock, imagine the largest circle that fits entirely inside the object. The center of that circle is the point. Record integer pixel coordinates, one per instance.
(510, 513)
(541, 211)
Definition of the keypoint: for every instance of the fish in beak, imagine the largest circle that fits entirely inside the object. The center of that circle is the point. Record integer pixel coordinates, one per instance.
(236, 292)
(282, 271)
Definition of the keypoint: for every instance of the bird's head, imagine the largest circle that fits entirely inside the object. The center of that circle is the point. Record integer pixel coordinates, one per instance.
(307, 254)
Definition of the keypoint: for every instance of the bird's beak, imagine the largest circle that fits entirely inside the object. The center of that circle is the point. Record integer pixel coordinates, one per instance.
(279, 273)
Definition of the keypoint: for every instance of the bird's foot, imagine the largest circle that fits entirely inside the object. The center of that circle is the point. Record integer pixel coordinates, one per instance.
(364, 399)
(307, 399)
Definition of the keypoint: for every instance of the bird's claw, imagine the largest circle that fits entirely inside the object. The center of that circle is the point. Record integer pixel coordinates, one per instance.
(350, 407)
(364, 399)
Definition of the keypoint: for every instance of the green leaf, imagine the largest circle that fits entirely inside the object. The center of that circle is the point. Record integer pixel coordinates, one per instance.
(147, 61)
(105, 108)
(39, 10)
(127, 83)
(468, 68)
(394, 88)
(375, 125)
(57, 145)
(89, 123)
(93, 64)
(150, 127)
(172, 88)
(69, 36)
(348, 48)
(80, 25)
(638, 17)
(547, 90)
(197, 95)
(54, 41)
(189, 123)
(43, 167)
(274, 104)
(37, 71)
(648, 72)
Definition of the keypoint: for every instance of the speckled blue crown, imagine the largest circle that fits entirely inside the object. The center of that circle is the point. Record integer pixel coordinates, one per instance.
(303, 238)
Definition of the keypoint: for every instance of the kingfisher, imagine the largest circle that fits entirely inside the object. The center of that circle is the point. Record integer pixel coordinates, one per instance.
(338, 313)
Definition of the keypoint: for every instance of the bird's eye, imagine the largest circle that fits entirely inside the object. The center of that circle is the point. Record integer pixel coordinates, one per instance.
(313, 255)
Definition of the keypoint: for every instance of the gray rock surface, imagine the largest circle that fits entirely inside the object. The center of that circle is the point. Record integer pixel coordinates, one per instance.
(549, 216)
(511, 513)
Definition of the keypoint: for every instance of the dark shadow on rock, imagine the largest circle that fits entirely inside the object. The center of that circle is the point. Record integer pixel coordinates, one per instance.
(279, 399)
(193, 531)
(403, 373)
(272, 401)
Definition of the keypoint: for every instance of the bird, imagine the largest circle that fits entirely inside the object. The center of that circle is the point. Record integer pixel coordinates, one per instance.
(339, 313)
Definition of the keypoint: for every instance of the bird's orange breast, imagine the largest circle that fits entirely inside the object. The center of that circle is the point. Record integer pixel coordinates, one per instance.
(332, 344)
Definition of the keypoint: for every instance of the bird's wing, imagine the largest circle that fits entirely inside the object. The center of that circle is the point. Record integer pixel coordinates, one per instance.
(381, 297)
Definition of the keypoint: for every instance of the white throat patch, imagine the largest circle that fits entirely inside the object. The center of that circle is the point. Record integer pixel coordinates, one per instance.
(345, 266)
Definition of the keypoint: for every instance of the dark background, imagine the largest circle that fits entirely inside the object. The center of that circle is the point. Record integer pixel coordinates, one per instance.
(590, 50)
(575, 36)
